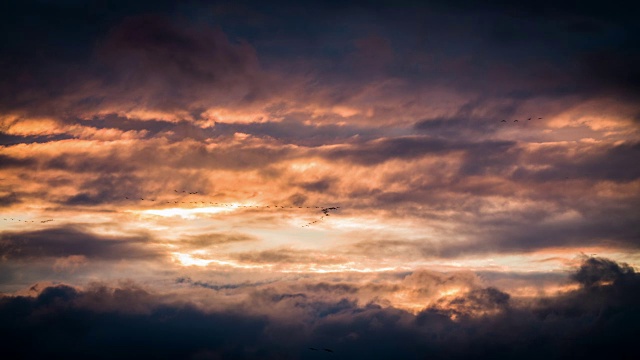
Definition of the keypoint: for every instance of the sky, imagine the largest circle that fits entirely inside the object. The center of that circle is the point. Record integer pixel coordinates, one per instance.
(313, 180)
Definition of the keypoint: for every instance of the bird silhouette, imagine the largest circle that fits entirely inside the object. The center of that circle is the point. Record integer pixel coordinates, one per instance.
(503, 121)
(314, 349)
(516, 120)
(328, 350)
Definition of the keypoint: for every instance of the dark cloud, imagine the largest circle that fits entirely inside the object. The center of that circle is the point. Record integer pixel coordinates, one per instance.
(9, 199)
(608, 162)
(129, 322)
(510, 234)
(7, 140)
(459, 126)
(72, 324)
(161, 56)
(126, 59)
(595, 271)
(477, 300)
(293, 130)
(414, 147)
(320, 185)
(73, 240)
(176, 64)
(8, 162)
(106, 187)
(208, 285)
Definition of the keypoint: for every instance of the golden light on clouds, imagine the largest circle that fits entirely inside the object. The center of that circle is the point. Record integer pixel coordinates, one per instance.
(434, 176)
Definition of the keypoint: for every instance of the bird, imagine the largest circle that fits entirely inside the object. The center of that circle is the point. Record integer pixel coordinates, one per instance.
(539, 118)
(328, 350)
(516, 120)
(503, 121)
(529, 119)
(314, 349)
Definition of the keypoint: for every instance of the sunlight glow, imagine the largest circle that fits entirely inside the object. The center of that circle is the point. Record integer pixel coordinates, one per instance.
(188, 213)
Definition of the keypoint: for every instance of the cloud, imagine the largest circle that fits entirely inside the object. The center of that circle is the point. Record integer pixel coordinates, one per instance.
(69, 263)
(9, 199)
(207, 285)
(390, 112)
(144, 66)
(595, 271)
(68, 241)
(210, 240)
(286, 256)
(171, 67)
(106, 322)
(408, 148)
(8, 162)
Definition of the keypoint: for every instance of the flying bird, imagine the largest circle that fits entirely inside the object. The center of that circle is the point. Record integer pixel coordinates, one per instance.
(314, 349)
(516, 120)
(328, 350)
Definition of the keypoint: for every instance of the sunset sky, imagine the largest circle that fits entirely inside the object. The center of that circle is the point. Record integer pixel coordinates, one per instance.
(258, 179)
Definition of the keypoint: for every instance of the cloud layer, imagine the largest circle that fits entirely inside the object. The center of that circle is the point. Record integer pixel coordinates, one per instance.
(391, 180)
(597, 319)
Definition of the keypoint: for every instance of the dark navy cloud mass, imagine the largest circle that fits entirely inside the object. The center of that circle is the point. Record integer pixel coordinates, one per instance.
(596, 320)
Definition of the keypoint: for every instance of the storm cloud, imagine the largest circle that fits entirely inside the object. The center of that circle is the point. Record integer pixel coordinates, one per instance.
(105, 322)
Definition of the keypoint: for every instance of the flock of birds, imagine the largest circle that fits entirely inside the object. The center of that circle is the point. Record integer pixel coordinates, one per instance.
(27, 221)
(516, 120)
(325, 210)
